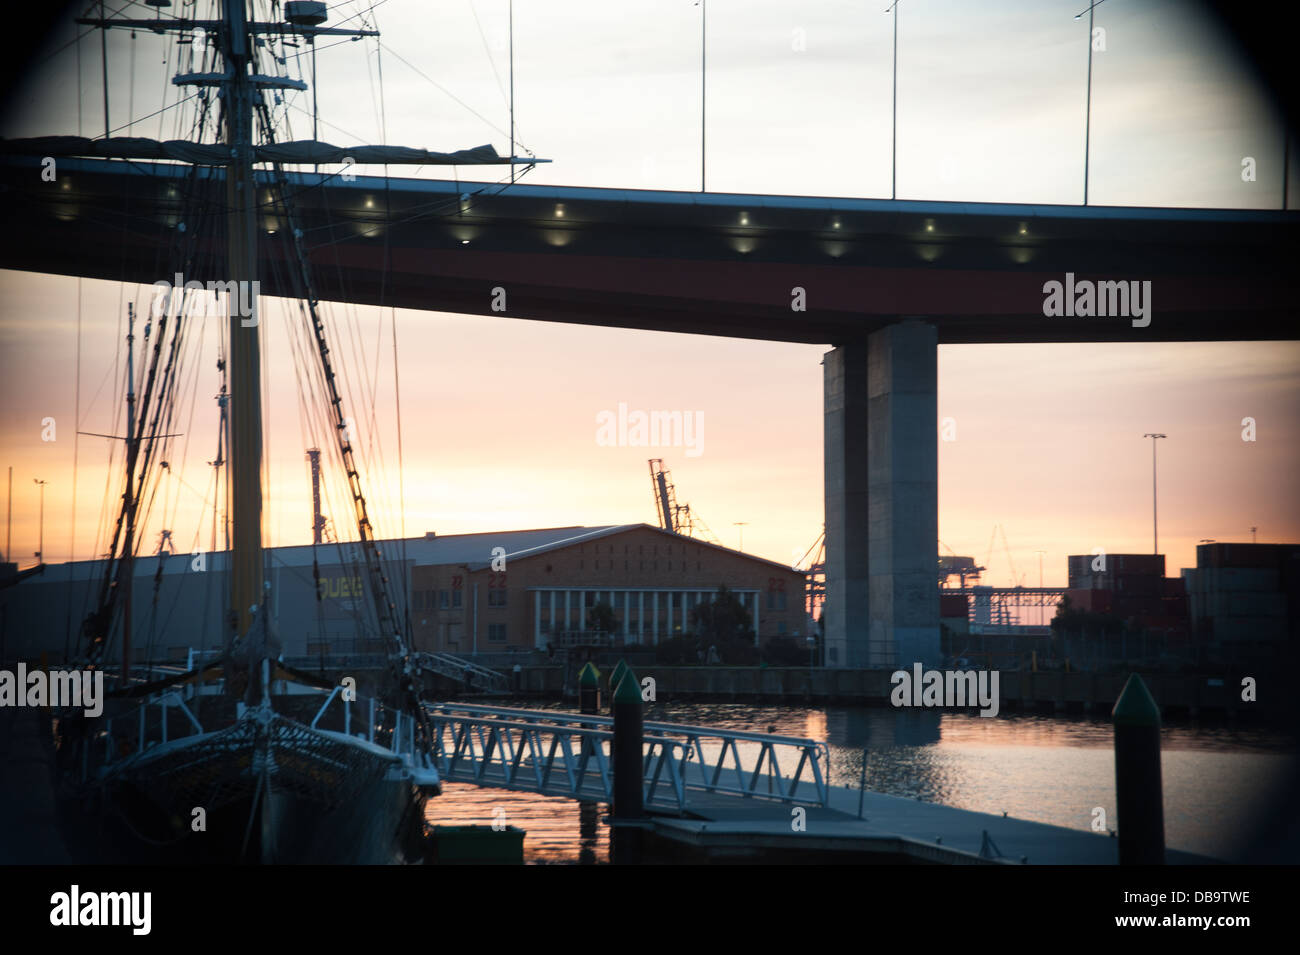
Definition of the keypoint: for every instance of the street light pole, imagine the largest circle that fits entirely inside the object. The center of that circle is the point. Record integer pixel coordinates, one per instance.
(704, 89)
(1155, 528)
(40, 553)
(893, 132)
(1087, 123)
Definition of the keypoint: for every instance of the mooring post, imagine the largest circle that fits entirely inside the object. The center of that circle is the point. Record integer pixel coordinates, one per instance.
(628, 822)
(615, 675)
(589, 689)
(627, 756)
(1138, 798)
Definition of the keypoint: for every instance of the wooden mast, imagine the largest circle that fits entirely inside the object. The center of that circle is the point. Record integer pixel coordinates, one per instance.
(245, 474)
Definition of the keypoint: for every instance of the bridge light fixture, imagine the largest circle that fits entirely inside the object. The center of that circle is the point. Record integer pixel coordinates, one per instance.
(370, 202)
(835, 223)
(744, 218)
(929, 225)
(464, 241)
(1024, 229)
(559, 210)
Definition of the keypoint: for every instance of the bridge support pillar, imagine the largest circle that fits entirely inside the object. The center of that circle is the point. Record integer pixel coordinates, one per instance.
(882, 520)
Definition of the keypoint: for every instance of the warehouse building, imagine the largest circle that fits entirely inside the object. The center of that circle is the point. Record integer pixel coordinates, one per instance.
(531, 590)
(500, 591)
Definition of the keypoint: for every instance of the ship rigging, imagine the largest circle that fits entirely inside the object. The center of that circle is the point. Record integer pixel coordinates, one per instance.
(275, 782)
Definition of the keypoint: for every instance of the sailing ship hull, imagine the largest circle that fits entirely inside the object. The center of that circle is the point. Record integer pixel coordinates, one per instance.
(266, 790)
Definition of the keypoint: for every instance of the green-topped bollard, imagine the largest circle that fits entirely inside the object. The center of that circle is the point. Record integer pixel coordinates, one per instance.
(1138, 798)
(589, 689)
(628, 772)
(615, 675)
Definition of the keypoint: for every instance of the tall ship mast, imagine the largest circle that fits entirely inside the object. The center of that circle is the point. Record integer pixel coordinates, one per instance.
(285, 766)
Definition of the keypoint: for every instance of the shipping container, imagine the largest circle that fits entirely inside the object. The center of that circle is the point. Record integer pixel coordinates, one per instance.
(952, 605)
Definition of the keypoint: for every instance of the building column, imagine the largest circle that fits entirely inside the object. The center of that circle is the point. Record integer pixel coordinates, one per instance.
(640, 616)
(582, 611)
(685, 621)
(654, 605)
(537, 620)
(882, 522)
(566, 610)
(758, 634)
(552, 620)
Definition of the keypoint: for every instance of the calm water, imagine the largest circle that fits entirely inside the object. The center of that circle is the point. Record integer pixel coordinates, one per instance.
(1046, 768)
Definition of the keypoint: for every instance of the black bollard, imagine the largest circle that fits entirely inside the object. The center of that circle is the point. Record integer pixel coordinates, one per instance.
(589, 689)
(1138, 798)
(615, 675)
(629, 778)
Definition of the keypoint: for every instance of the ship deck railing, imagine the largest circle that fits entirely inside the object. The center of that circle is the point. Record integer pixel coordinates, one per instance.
(166, 717)
(138, 729)
(376, 723)
(568, 754)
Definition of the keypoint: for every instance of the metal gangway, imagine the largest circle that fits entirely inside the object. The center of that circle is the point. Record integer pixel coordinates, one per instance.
(470, 673)
(567, 754)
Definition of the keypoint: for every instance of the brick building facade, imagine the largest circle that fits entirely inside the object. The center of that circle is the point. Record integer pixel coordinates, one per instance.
(527, 597)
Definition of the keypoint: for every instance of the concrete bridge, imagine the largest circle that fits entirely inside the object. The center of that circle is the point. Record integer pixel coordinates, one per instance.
(882, 282)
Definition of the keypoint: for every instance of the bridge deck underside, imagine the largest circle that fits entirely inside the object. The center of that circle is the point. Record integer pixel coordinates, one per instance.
(682, 263)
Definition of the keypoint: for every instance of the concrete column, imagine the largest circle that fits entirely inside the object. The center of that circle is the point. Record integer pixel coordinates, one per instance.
(758, 599)
(640, 616)
(654, 604)
(882, 523)
(552, 620)
(566, 610)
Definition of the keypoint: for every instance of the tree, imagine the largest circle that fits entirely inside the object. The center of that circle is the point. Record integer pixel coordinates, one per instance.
(602, 617)
(723, 619)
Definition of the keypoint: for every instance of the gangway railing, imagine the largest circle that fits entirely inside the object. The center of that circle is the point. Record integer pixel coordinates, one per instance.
(568, 754)
(458, 668)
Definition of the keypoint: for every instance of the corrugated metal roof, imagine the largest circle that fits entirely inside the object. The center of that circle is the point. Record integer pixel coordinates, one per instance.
(474, 550)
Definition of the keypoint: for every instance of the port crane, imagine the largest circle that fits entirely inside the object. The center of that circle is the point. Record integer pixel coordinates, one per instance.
(671, 515)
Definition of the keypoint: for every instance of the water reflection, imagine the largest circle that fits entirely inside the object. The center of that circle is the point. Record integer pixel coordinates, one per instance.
(558, 830)
(1217, 778)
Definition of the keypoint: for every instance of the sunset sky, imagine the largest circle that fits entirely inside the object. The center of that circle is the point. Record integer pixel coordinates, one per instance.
(500, 415)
